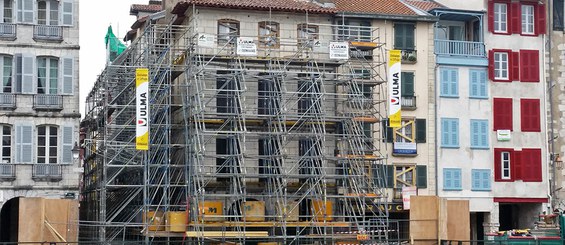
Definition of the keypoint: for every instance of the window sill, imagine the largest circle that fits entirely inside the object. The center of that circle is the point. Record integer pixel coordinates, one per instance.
(529, 81)
(449, 96)
(404, 155)
(531, 130)
(502, 80)
(459, 189)
(480, 148)
(478, 97)
(501, 33)
(450, 146)
(481, 190)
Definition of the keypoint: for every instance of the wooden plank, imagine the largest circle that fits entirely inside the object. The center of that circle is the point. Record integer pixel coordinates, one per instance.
(458, 220)
(30, 220)
(221, 234)
(424, 217)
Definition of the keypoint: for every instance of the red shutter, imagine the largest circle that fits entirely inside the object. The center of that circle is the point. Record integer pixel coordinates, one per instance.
(532, 165)
(524, 66)
(529, 65)
(530, 115)
(515, 23)
(534, 62)
(497, 167)
(517, 166)
(502, 110)
(541, 19)
(490, 13)
(524, 115)
(536, 118)
(491, 64)
(515, 66)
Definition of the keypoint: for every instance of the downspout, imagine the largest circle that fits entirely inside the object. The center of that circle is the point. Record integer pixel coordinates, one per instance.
(436, 157)
(553, 173)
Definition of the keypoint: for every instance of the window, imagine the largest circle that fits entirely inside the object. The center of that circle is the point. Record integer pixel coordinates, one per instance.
(24, 142)
(530, 115)
(478, 84)
(450, 133)
(7, 11)
(504, 159)
(528, 19)
(47, 144)
(500, 17)
(228, 31)
(449, 82)
(529, 66)
(309, 94)
(354, 30)
(505, 164)
(531, 165)
(48, 12)
(407, 84)
(310, 158)
(269, 34)
(6, 73)
(479, 134)
(405, 134)
(558, 15)
(307, 33)
(47, 75)
(511, 165)
(404, 177)
(268, 149)
(226, 161)
(267, 102)
(502, 113)
(226, 100)
(504, 65)
(25, 11)
(501, 66)
(6, 143)
(404, 36)
(480, 179)
(452, 179)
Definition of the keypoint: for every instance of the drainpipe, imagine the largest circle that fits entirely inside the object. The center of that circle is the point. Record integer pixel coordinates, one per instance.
(552, 172)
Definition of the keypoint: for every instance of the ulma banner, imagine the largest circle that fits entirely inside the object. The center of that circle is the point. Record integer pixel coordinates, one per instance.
(142, 109)
(394, 89)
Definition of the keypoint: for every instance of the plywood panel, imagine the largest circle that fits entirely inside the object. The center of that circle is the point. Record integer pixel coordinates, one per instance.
(423, 217)
(458, 220)
(31, 220)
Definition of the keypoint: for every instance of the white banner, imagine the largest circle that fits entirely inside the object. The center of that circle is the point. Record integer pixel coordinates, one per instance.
(394, 82)
(246, 46)
(142, 109)
(408, 191)
(205, 40)
(339, 50)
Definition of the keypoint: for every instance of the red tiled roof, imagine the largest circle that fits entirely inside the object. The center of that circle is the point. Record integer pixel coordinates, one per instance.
(152, 8)
(424, 5)
(392, 7)
(276, 5)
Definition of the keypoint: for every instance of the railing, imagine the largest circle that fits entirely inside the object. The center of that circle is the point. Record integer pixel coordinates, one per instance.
(7, 30)
(47, 171)
(462, 48)
(409, 56)
(47, 102)
(7, 101)
(408, 102)
(7, 171)
(48, 32)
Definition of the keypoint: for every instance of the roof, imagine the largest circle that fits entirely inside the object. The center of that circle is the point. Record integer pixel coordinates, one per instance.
(424, 5)
(276, 5)
(389, 7)
(151, 8)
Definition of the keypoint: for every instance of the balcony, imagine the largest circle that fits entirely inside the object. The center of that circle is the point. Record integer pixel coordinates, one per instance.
(404, 149)
(408, 56)
(7, 101)
(47, 172)
(48, 33)
(460, 48)
(408, 103)
(7, 172)
(8, 31)
(48, 102)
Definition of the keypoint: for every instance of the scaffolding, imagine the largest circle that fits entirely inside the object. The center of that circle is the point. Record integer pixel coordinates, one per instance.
(283, 145)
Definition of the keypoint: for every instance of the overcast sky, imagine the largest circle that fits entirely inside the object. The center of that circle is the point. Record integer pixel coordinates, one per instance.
(95, 16)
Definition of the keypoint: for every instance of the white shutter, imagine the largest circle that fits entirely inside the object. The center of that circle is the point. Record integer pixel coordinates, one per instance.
(18, 73)
(28, 74)
(67, 12)
(24, 143)
(20, 10)
(1, 12)
(67, 74)
(67, 142)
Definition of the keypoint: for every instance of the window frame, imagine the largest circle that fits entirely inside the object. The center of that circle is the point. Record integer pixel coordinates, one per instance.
(49, 79)
(48, 156)
(270, 32)
(49, 20)
(500, 62)
(402, 134)
(403, 37)
(303, 34)
(504, 176)
(525, 23)
(500, 26)
(3, 77)
(231, 36)
(7, 9)
(9, 145)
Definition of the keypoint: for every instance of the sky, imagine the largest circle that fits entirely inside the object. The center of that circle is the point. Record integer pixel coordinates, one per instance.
(94, 18)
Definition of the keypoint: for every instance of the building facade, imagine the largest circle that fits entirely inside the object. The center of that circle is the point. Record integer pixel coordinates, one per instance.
(39, 99)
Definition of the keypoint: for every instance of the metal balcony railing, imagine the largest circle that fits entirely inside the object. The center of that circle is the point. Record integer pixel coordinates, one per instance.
(7, 101)
(460, 48)
(47, 171)
(408, 102)
(45, 32)
(8, 30)
(47, 102)
(7, 171)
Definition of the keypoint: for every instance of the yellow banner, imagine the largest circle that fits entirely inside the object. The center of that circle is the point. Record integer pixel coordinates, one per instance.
(142, 109)
(394, 88)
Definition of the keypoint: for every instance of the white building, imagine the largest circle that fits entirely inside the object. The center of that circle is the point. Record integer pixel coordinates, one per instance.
(39, 98)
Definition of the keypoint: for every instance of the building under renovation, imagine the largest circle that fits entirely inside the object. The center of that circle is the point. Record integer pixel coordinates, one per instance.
(264, 126)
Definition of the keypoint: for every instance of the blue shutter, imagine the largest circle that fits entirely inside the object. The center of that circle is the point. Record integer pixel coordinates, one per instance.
(454, 82)
(455, 132)
(473, 83)
(476, 180)
(24, 143)
(483, 85)
(483, 128)
(444, 132)
(457, 179)
(444, 82)
(474, 133)
(67, 12)
(447, 182)
(486, 179)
